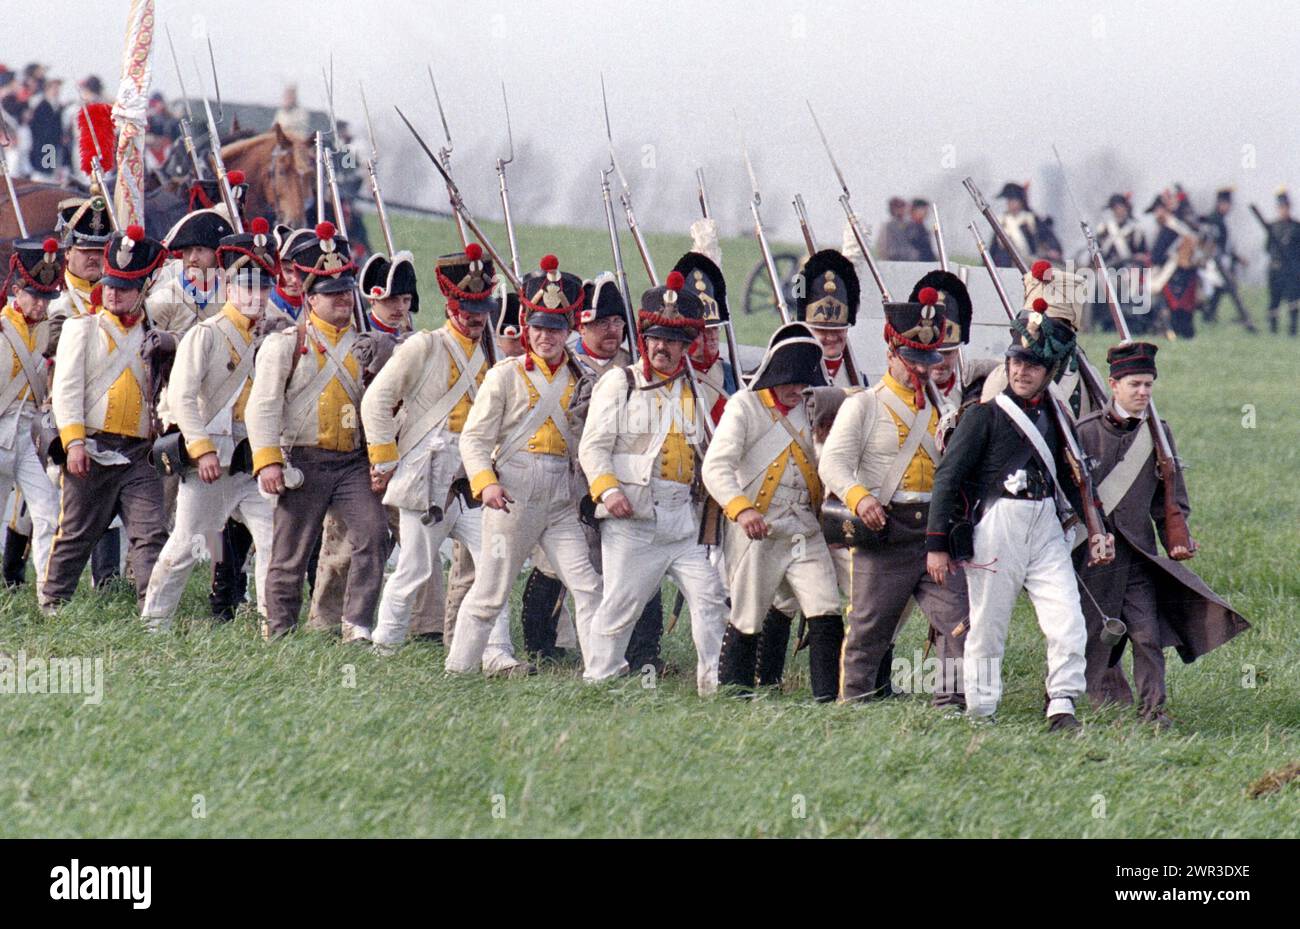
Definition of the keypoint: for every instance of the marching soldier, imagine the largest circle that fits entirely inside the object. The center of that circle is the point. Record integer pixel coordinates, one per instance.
(880, 460)
(205, 399)
(1174, 275)
(305, 432)
(1224, 260)
(414, 413)
(103, 410)
(286, 298)
(827, 303)
(518, 446)
(895, 236)
(958, 381)
(762, 470)
(1032, 235)
(1283, 265)
(192, 295)
(999, 475)
(922, 242)
(1159, 600)
(1123, 245)
(715, 376)
(35, 276)
(640, 453)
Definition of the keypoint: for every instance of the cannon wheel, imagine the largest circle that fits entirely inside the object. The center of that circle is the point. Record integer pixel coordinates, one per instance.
(759, 297)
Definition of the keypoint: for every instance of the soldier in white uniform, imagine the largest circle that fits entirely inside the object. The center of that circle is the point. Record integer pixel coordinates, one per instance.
(205, 400)
(193, 293)
(35, 276)
(641, 453)
(519, 446)
(762, 469)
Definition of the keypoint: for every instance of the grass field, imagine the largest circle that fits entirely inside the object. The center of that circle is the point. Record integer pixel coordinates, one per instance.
(209, 732)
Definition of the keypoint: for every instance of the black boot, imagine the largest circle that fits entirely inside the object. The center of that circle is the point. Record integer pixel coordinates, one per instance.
(540, 613)
(825, 641)
(738, 662)
(17, 546)
(229, 580)
(1272, 322)
(1295, 319)
(643, 646)
(106, 558)
(773, 643)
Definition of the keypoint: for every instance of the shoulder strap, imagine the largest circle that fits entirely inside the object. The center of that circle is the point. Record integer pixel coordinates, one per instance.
(1116, 485)
(1030, 431)
(126, 354)
(27, 360)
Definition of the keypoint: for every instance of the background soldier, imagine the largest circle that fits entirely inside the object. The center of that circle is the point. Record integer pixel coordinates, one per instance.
(922, 242)
(192, 294)
(1283, 265)
(880, 459)
(640, 452)
(1032, 235)
(1159, 600)
(1224, 260)
(1123, 245)
(1174, 275)
(305, 432)
(206, 399)
(827, 303)
(895, 240)
(104, 412)
(762, 470)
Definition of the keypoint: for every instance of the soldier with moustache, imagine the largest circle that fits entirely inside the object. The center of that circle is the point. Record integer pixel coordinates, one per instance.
(641, 452)
(519, 446)
(304, 428)
(414, 413)
(193, 293)
(102, 406)
(880, 460)
(762, 469)
(206, 399)
(1160, 601)
(35, 277)
(1030, 233)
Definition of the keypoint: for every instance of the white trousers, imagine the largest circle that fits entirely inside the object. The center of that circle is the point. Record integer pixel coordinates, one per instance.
(545, 514)
(20, 465)
(417, 558)
(201, 511)
(636, 555)
(1022, 544)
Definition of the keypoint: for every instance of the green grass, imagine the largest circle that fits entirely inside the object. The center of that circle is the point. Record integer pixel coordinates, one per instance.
(276, 743)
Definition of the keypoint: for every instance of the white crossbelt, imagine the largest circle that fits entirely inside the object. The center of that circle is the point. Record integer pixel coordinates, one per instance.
(437, 414)
(550, 395)
(918, 437)
(230, 387)
(1030, 432)
(303, 400)
(125, 355)
(1121, 477)
(30, 376)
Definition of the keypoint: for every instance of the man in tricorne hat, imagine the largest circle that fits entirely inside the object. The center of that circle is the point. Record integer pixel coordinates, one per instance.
(1160, 601)
(35, 276)
(880, 460)
(519, 446)
(761, 468)
(193, 293)
(287, 297)
(1123, 245)
(414, 413)
(641, 454)
(304, 427)
(826, 301)
(1001, 494)
(1225, 260)
(1031, 234)
(1174, 267)
(1283, 265)
(389, 285)
(103, 408)
(205, 399)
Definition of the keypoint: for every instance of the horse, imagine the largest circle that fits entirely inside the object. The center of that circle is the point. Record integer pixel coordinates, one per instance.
(40, 205)
(278, 169)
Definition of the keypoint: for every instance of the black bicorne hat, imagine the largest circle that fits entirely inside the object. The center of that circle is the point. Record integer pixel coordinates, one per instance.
(130, 258)
(705, 280)
(287, 239)
(1013, 191)
(255, 249)
(206, 194)
(383, 277)
(915, 330)
(36, 266)
(467, 280)
(325, 261)
(956, 303)
(551, 297)
(202, 227)
(83, 222)
(830, 291)
(1124, 199)
(1132, 358)
(671, 311)
(601, 300)
(793, 356)
(508, 322)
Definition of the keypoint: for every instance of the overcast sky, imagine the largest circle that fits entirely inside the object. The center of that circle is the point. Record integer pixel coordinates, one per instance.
(913, 96)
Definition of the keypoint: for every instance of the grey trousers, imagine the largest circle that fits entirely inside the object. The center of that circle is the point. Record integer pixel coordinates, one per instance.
(1109, 684)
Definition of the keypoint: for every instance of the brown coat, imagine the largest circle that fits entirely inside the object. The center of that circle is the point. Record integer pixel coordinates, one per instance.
(1191, 617)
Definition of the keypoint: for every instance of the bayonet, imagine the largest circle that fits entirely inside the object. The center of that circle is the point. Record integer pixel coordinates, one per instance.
(444, 155)
(360, 316)
(372, 168)
(187, 119)
(216, 83)
(755, 203)
(982, 205)
(505, 191)
(732, 349)
(800, 211)
(626, 197)
(938, 239)
(214, 144)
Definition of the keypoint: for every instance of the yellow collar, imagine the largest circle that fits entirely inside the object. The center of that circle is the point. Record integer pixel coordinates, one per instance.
(242, 322)
(546, 369)
(16, 317)
(117, 321)
(80, 284)
(904, 392)
(333, 333)
(465, 342)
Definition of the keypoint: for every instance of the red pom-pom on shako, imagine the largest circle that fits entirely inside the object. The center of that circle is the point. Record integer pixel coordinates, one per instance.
(928, 296)
(50, 245)
(135, 232)
(1040, 305)
(474, 251)
(259, 226)
(549, 263)
(325, 230)
(675, 280)
(235, 178)
(1041, 270)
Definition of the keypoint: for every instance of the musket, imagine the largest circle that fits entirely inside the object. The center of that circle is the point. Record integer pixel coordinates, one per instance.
(1101, 550)
(214, 143)
(1167, 464)
(360, 316)
(372, 168)
(939, 247)
(187, 118)
(444, 156)
(620, 272)
(505, 191)
(1268, 230)
(755, 202)
(97, 168)
(732, 349)
(982, 205)
(626, 198)
(320, 178)
(5, 141)
(801, 212)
